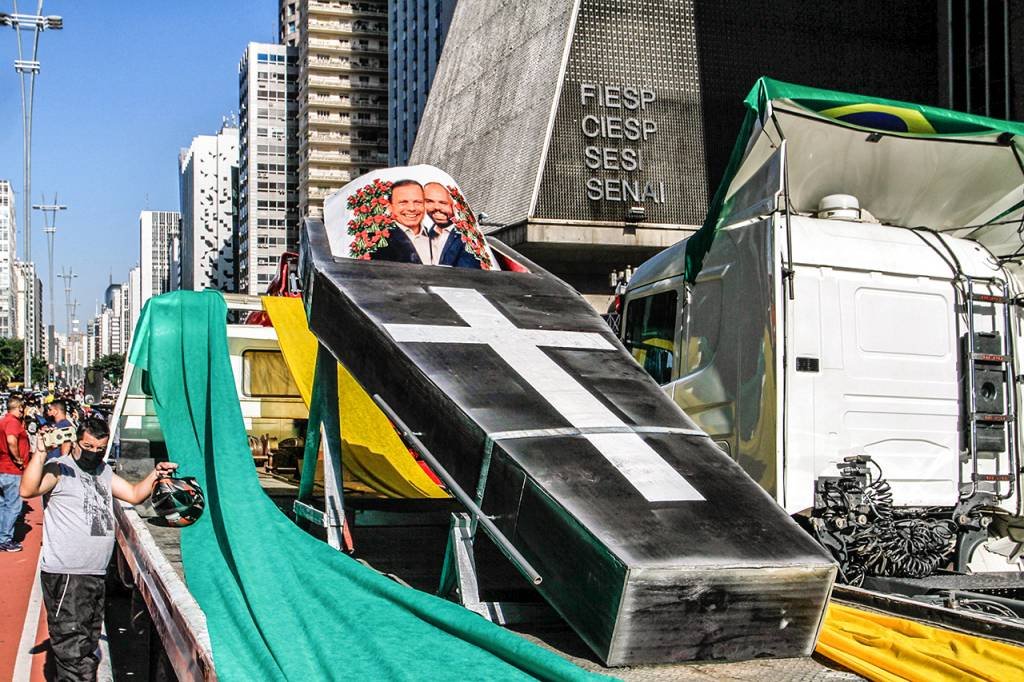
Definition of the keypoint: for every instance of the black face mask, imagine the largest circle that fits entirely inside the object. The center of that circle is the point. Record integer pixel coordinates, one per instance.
(89, 460)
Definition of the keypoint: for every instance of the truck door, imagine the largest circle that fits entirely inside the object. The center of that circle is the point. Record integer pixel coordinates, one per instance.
(872, 368)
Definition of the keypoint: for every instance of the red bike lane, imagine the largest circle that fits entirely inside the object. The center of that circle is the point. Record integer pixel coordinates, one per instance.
(18, 571)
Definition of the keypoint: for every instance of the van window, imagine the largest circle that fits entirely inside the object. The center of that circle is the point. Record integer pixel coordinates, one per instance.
(650, 330)
(704, 326)
(265, 374)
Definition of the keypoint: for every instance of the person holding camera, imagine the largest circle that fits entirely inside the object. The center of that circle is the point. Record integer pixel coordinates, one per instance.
(78, 540)
(14, 449)
(57, 414)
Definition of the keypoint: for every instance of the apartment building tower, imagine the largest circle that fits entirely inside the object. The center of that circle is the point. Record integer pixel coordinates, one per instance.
(342, 96)
(208, 184)
(268, 213)
(8, 256)
(28, 289)
(112, 316)
(159, 232)
(416, 33)
(133, 298)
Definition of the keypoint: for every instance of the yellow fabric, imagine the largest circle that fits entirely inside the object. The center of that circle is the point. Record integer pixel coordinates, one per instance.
(371, 450)
(882, 647)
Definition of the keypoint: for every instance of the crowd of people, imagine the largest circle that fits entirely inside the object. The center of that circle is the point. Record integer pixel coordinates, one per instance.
(27, 415)
(53, 447)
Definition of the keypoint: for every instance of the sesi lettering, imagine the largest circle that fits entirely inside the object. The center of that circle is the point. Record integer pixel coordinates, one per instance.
(611, 158)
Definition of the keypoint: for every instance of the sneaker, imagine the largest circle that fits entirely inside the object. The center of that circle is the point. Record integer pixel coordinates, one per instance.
(10, 547)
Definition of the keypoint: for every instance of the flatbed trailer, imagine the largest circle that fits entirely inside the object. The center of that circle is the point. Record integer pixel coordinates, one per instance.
(402, 540)
(149, 562)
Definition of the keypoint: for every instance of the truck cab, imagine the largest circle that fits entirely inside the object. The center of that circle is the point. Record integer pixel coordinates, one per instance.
(854, 297)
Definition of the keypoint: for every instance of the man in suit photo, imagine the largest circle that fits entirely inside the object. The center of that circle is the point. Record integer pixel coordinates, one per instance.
(437, 242)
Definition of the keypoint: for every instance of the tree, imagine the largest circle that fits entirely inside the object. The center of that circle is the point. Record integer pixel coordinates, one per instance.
(110, 366)
(40, 371)
(10, 356)
(11, 359)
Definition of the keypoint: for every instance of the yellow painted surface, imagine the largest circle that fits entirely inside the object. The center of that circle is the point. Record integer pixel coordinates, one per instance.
(372, 452)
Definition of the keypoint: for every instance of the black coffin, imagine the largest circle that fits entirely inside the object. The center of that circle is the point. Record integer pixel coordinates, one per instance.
(652, 543)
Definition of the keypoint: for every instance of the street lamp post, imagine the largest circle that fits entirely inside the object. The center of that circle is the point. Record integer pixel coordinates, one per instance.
(27, 69)
(50, 230)
(67, 276)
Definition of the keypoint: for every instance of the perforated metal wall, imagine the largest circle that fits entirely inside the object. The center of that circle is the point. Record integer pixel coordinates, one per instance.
(624, 51)
(700, 58)
(487, 115)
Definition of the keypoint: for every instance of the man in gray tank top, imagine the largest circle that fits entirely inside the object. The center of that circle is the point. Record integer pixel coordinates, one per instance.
(78, 541)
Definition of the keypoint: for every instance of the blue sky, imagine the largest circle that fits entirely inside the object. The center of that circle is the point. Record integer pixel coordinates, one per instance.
(123, 87)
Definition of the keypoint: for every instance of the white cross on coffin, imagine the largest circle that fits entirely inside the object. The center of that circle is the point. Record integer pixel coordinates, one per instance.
(521, 349)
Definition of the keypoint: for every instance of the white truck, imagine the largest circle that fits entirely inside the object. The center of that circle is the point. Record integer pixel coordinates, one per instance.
(847, 325)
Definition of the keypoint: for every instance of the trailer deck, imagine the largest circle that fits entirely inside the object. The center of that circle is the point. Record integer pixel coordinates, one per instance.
(152, 556)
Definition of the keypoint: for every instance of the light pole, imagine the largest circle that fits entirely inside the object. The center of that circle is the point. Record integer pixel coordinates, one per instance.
(67, 276)
(80, 343)
(27, 69)
(50, 230)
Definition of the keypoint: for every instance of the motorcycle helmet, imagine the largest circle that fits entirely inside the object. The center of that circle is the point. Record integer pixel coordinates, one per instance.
(179, 501)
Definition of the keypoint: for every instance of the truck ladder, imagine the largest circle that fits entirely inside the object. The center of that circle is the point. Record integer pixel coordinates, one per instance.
(986, 355)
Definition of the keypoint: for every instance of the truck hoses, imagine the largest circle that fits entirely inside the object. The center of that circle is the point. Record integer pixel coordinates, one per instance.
(856, 521)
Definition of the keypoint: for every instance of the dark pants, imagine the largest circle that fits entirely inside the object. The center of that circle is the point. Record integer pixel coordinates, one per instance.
(74, 616)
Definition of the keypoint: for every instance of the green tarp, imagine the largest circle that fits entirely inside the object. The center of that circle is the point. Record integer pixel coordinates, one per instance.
(280, 604)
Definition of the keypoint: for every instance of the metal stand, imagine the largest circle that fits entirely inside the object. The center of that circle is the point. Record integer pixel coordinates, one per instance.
(459, 581)
(459, 575)
(324, 427)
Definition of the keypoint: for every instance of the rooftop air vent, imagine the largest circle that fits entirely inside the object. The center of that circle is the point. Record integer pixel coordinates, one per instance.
(839, 207)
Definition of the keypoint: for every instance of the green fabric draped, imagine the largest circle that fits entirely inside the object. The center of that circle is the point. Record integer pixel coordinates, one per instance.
(280, 604)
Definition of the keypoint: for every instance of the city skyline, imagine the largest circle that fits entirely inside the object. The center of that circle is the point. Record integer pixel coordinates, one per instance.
(117, 155)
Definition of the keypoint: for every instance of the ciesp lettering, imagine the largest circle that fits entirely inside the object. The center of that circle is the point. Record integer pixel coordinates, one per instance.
(621, 114)
(618, 128)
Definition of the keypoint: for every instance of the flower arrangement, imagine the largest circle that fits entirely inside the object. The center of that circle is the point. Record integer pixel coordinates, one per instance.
(464, 222)
(371, 224)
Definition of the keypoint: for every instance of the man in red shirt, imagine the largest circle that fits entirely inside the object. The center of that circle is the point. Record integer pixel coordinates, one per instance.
(14, 450)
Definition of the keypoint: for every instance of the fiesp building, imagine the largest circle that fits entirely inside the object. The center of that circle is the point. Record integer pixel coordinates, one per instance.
(592, 132)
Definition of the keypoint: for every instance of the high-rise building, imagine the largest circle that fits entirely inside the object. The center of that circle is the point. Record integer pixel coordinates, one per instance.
(114, 303)
(98, 332)
(416, 34)
(268, 214)
(8, 257)
(208, 181)
(29, 316)
(158, 234)
(343, 69)
(133, 299)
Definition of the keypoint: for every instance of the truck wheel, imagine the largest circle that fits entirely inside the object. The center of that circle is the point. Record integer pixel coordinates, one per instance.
(974, 556)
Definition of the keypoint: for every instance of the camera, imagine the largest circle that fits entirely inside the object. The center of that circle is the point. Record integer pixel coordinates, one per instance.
(33, 421)
(56, 437)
